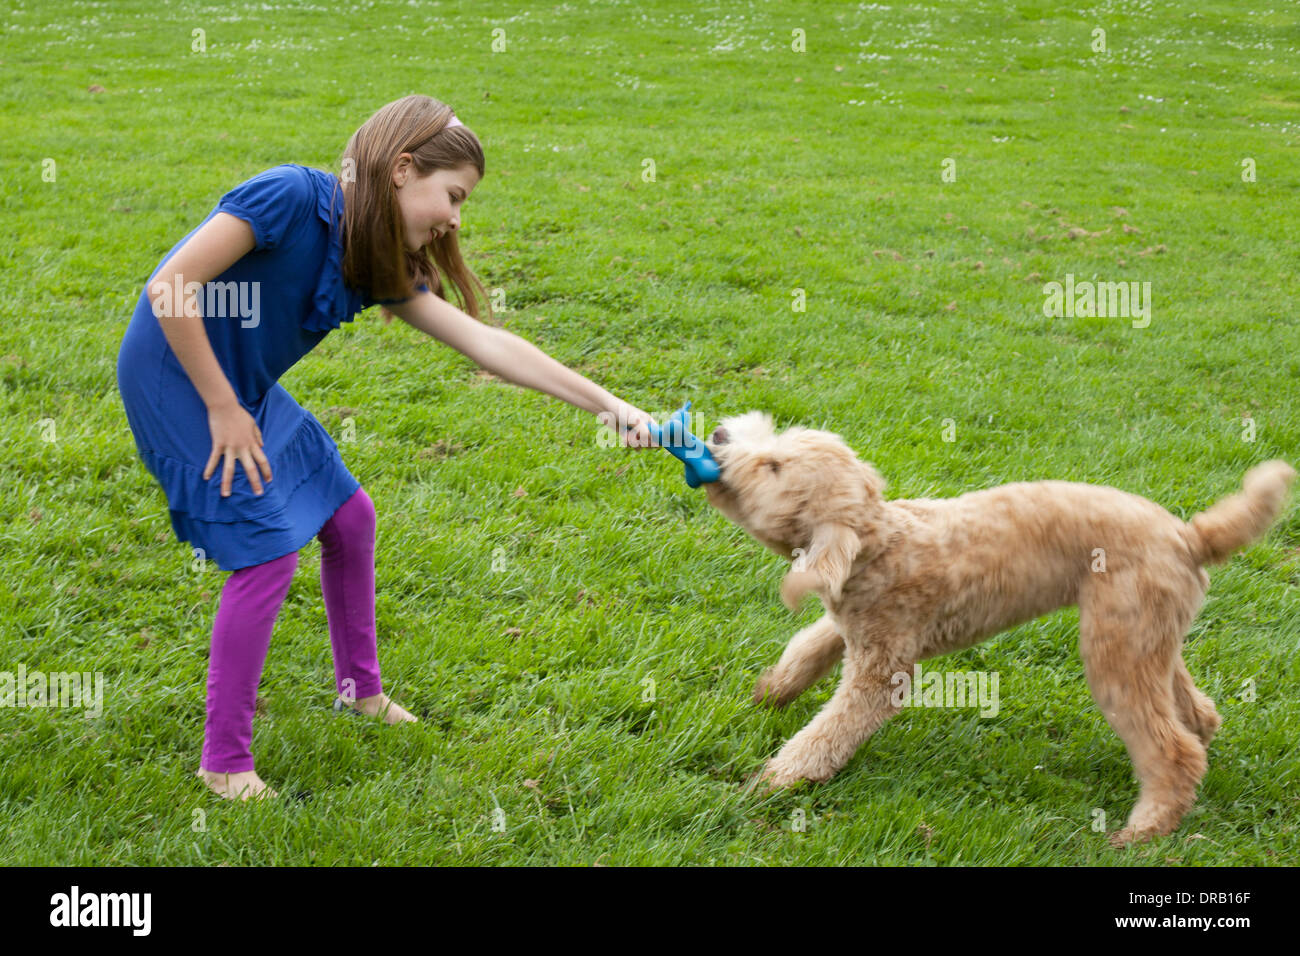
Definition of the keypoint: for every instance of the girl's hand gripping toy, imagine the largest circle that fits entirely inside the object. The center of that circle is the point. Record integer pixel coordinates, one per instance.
(675, 436)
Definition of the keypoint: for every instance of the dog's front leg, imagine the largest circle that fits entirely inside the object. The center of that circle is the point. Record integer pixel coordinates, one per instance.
(863, 701)
(807, 659)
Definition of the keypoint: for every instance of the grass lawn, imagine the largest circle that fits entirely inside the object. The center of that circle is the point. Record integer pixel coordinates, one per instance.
(854, 235)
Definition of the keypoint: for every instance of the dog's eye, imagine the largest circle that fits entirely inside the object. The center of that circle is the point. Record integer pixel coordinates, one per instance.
(775, 466)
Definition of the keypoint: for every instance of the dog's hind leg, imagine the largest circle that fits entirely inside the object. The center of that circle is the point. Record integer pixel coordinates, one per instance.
(1195, 710)
(1130, 638)
(863, 701)
(808, 658)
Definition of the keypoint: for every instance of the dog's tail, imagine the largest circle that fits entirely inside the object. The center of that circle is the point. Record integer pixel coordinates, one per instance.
(1239, 519)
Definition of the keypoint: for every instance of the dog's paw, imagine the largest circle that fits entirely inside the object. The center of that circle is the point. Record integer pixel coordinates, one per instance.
(769, 690)
(778, 774)
(1121, 839)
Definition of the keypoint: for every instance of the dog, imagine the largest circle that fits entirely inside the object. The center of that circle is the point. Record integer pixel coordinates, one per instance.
(906, 580)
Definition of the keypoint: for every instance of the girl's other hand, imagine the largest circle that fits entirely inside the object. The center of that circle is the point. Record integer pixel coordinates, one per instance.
(236, 436)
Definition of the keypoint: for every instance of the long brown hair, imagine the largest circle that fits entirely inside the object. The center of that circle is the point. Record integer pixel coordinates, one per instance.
(375, 257)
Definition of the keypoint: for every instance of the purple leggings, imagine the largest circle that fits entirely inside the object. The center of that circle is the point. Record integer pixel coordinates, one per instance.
(241, 634)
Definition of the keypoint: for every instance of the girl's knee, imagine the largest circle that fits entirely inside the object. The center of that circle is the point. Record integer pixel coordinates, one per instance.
(358, 512)
(354, 520)
(364, 505)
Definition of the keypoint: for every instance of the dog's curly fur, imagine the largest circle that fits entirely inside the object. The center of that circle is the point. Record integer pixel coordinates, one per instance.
(906, 580)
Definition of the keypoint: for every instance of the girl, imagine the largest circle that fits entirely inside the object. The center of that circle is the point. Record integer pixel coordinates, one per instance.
(282, 260)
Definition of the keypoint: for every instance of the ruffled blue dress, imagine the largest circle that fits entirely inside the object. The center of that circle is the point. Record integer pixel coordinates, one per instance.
(289, 295)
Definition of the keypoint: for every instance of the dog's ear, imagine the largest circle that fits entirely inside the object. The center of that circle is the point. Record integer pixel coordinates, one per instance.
(825, 567)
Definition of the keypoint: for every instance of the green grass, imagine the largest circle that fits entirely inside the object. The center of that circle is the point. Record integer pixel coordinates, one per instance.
(775, 171)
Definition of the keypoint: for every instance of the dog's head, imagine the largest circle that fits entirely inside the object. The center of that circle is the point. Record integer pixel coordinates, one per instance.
(802, 493)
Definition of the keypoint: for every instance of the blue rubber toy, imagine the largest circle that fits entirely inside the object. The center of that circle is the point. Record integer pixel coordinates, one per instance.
(676, 436)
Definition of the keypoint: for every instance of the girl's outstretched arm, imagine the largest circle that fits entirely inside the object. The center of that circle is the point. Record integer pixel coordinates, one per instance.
(518, 361)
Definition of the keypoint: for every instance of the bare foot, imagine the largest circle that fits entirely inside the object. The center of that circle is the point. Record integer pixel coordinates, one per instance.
(382, 705)
(236, 786)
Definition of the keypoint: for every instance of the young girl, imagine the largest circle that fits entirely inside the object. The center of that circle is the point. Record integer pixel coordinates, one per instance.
(282, 260)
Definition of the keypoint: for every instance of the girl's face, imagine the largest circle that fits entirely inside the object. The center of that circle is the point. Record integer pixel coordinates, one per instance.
(431, 204)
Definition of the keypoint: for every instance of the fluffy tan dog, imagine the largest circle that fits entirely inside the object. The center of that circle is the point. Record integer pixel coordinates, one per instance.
(907, 580)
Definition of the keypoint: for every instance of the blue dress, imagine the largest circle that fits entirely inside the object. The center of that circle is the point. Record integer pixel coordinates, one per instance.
(290, 295)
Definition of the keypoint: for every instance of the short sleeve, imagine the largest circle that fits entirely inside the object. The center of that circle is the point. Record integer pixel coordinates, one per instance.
(273, 203)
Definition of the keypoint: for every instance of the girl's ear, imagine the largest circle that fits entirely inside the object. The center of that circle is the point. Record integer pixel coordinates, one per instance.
(402, 170)
(825, 567)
